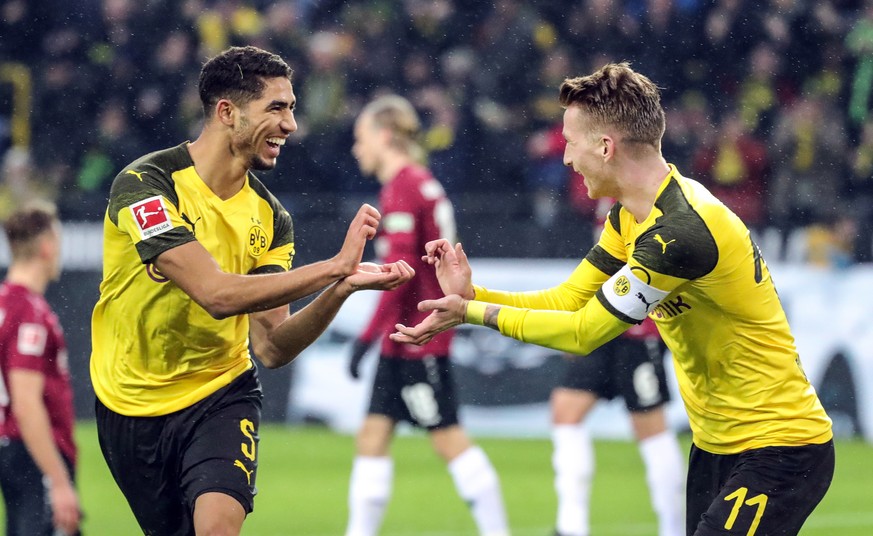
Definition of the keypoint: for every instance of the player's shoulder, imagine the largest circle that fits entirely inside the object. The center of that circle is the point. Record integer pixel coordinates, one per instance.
(158, 165)
(281, 217)
(417, 181)
(17, 302)
(681, 241)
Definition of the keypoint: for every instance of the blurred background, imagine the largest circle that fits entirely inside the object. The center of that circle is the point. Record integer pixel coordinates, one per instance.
(768, 103)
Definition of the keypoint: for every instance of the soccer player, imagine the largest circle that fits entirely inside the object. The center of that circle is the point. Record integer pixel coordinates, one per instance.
(413, 383)
(37, 451)
(630, 366)
(763, 453)
(196, 268)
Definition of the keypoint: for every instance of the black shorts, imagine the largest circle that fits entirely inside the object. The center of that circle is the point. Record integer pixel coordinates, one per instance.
(28, 509)
(768, 491)
(420, 392)
(162, 464)
(630, 368)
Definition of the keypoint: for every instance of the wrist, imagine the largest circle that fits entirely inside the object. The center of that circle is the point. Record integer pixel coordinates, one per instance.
(474, 312)
(344, 289)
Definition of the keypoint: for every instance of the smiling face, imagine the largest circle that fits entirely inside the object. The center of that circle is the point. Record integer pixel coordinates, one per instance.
(588, 152)
(264, 124)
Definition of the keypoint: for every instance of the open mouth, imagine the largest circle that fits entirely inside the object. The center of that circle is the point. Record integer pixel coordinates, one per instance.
(274, 145)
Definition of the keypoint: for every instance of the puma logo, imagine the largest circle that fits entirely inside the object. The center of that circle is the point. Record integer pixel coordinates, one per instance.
(193, 224)
(643, 299)
(664, 245)
(248, 473)
(138, 174)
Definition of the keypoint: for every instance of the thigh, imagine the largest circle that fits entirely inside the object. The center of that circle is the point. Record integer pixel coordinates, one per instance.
(638, 372)
(221, 452)
(385, 394)
(144, 463)
(28, 512)
(590, 373)
(769, 491)
(428, 392)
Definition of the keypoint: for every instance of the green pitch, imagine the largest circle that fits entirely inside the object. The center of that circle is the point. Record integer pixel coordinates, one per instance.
(303, 480)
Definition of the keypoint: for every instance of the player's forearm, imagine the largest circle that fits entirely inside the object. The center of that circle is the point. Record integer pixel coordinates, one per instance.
(571, 295)
(301, 329)
(252, 293)
(578, 332)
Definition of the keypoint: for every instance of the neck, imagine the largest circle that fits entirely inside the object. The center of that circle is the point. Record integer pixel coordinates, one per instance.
(216, 164)
(639, 181)
(392, 163)
(29, 274)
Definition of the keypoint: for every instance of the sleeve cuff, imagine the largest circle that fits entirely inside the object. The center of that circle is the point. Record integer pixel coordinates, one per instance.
(478, 291)
(476, 313)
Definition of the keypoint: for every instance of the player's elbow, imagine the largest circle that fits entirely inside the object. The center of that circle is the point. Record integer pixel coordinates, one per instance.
(272, 358)
(273, 363)
(221, 304)
(219, 311)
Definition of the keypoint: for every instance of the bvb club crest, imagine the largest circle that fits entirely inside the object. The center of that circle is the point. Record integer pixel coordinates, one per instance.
(621, 286)
(257, 240)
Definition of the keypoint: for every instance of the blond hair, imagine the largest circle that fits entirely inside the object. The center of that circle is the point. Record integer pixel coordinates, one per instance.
(397, 114)
(616, 96)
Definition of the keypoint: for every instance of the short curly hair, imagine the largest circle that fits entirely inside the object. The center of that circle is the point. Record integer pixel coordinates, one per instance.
(238, 74)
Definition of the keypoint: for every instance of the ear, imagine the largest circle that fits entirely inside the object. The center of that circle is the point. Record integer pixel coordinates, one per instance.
(607, 147)
(44, 245)
(225, 112)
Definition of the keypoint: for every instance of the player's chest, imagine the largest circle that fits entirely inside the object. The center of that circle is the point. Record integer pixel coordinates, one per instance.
(236, 234)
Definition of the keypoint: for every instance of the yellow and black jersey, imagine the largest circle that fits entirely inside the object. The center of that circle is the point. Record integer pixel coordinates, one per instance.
(154, 349)
(692, 266)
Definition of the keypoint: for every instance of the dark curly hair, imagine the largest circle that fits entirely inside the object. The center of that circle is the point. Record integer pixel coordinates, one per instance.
(238, 74)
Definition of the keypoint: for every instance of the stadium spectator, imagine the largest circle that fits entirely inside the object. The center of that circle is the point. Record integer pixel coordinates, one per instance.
(413, 383)
(859, 43)
(860, 189)
(197, 260)
(37, 449)
(18, 183)
(808, 148)
(762, 456)
(735, 57)
(734, 166)
(632, 367)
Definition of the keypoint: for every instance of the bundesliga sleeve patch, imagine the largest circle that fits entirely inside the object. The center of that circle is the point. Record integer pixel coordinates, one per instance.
(151, 216)
(629, 295)
(32, 339)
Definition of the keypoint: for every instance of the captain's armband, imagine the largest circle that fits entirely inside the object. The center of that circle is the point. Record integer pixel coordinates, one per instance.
(629, 297)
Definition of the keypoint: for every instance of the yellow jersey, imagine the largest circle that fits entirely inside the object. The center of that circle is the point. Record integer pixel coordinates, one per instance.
(692, 267)
(154, 349)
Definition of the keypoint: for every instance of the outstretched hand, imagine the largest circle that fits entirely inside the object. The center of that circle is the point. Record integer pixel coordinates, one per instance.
(447, 312)
(453, 270)
(370, 276)
(362, 228)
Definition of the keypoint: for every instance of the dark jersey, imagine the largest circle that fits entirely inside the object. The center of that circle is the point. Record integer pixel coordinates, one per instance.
(31, 338)
(415, 210)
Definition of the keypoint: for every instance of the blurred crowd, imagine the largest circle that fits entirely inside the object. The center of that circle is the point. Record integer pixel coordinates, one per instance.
(768, 101)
